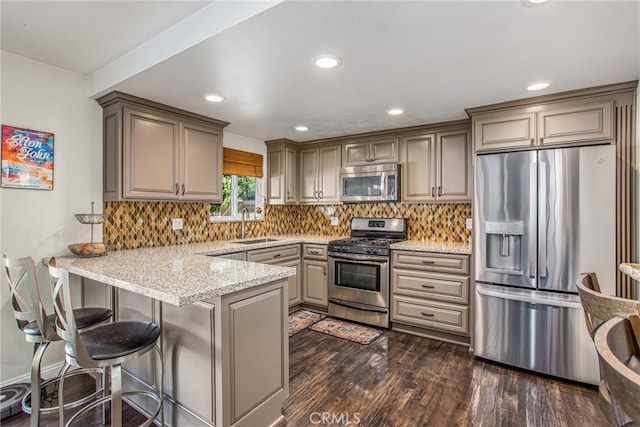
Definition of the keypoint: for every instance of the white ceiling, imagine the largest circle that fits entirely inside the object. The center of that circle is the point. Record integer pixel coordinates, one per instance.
(432, 58)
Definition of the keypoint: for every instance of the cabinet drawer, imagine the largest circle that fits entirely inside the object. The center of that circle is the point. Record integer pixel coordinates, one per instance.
(312, 251)
(443, 287)
(427, 261)
(274, 255)
(432, 314)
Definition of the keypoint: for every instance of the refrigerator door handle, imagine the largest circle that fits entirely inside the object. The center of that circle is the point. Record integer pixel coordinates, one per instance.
(542, 219)
(527, 299)
(532, 219)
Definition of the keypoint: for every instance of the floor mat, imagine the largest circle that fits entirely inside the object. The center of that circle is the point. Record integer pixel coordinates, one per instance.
(302, 319)
(347, 330)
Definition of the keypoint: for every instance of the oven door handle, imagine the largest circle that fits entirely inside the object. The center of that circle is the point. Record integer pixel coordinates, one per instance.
(361, 259)
(358, 306)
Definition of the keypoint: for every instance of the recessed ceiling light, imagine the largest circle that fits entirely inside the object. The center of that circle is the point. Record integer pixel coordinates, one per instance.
(302, 128)
(214, 97)
(395, 111)
(327, 61)
(539, 85)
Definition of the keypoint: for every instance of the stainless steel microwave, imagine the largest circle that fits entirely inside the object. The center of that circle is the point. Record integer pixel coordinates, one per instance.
(374, 183)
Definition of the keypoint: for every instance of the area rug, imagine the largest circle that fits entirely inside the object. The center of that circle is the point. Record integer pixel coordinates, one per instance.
(302, 319)
(346, 330)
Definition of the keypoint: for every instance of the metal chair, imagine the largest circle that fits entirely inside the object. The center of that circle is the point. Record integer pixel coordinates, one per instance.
(599, 308)
(617, 344)
(104, 346)
(39, 329)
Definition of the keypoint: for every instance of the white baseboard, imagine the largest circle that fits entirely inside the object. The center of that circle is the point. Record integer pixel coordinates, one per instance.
(47, 372)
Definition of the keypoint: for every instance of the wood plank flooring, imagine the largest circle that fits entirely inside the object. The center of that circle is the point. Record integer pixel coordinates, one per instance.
(404, 380)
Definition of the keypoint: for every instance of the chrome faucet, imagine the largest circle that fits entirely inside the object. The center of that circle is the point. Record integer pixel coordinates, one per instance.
(242, 233)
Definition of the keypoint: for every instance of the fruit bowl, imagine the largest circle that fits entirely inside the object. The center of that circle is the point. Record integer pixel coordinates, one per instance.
(87, 250)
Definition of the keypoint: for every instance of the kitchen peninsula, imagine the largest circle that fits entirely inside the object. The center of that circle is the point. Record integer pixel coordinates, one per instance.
(224, 328)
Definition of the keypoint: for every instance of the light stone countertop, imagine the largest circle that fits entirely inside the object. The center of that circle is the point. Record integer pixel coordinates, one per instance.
(428, 246)
(183, 274)
(631, 270)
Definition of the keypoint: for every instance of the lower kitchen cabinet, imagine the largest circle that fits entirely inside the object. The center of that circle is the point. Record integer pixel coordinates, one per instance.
(285, 256)
(209, 376)
(315, 284)
(430, 294)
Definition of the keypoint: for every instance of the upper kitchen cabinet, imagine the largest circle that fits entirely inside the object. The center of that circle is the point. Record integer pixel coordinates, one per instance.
(281, 172)
(319, 174)
(383, 150)
(156, 152)
(579, 121)
(437, 166)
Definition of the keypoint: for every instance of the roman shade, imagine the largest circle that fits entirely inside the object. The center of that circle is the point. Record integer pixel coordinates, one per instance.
(236, 162)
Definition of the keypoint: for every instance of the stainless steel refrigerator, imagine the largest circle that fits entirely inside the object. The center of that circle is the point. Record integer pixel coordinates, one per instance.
(540, 219)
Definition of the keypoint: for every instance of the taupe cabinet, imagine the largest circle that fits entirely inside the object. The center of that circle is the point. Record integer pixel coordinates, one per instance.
(315, 283)
(383, 150)
(286, 256)
(281, 173)
(210, 378)
(436, 166)
(568, 122)
(319, 174)
(431, 291)
(156, 152)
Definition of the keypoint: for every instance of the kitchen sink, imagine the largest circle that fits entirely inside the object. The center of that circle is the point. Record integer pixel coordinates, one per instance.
(253, 241)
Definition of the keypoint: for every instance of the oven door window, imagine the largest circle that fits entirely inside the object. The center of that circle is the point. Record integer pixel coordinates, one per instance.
(361, 186)
(358, 276)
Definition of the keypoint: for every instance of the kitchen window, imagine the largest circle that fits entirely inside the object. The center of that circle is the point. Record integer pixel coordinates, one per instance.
(242, 185)
(240, 192)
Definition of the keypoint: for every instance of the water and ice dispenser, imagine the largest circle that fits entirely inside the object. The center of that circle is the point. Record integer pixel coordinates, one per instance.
(504, 246)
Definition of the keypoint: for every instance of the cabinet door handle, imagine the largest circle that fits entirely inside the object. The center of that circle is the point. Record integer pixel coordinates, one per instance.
(427, 314)
(183, 189)
(277, 255)
(440, 191)
(428, 286)
(541, 141)
(314, 253)
(288, 196)
(532, 141)
(177, 189)
(324, 270)
(320, 194)
(433, 191)
(428, 262)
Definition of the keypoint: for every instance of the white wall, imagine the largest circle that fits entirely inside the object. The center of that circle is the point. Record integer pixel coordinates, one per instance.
(40, 223)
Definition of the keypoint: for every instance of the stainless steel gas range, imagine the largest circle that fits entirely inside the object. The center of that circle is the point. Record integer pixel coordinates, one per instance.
(359, 272)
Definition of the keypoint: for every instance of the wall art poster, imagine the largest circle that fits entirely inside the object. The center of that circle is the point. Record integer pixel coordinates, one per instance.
(27, 158)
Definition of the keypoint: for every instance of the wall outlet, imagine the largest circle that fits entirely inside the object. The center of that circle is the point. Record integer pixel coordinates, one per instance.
(469, 224)
(176, 223)
(334, 220)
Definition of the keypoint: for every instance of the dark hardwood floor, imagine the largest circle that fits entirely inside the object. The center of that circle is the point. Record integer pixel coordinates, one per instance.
(404, 380)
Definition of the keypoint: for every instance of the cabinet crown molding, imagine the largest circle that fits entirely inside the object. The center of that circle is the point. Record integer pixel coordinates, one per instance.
(611, 89)
(116, 96)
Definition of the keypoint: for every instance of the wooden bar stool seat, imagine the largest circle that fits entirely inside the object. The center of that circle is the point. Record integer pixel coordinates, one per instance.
(617, 344)
(599, 308)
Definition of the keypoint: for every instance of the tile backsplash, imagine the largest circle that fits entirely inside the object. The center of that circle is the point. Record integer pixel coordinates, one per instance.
(146, 224)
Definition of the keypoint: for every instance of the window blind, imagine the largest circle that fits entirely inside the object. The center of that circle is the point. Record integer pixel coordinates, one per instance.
(236, 162)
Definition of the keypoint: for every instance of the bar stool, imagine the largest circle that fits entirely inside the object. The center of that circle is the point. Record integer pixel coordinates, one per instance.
(617, 343)
(104, 346)
(39, 329)
(599, 308)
